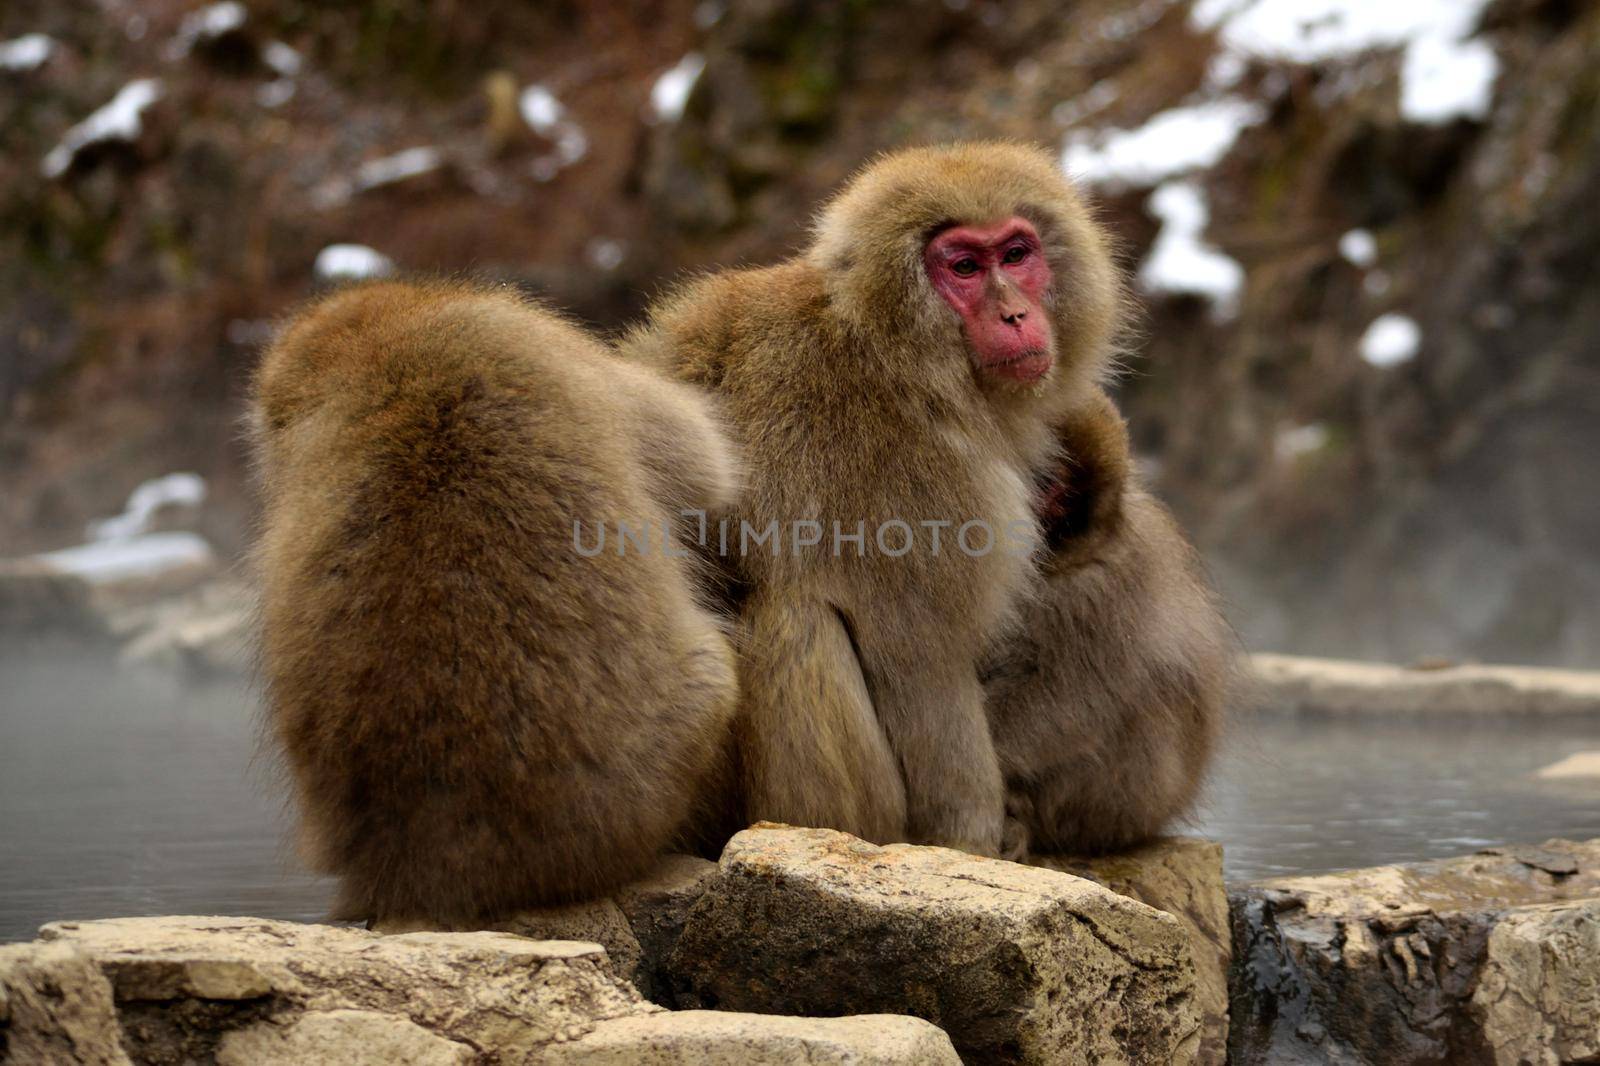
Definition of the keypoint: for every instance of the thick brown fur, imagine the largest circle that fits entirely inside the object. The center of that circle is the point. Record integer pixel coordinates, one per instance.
(855, 399)
(477, 717)
(1107, 707)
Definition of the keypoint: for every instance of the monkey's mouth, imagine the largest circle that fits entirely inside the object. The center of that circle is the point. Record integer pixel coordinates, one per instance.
(1026, 366)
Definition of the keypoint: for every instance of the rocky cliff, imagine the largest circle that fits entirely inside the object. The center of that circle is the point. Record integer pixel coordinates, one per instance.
(1368, 376)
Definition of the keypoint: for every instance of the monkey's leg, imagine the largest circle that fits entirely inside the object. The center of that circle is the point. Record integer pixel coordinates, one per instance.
(937, 726)
(811, 749)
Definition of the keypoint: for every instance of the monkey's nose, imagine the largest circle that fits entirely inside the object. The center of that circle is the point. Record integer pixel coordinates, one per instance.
(1011, 318)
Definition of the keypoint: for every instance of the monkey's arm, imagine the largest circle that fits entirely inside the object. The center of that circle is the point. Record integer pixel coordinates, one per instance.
(679, 439)
(811, 749)
(1106, 711)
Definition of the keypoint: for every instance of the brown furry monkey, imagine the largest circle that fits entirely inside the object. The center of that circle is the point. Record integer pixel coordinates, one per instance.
(481, 712)
(1107, 704)
(895, 390)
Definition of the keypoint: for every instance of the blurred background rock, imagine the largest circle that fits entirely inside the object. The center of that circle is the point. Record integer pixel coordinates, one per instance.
(1367, 237)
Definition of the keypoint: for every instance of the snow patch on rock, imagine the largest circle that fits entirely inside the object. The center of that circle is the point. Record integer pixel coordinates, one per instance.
(1170, 143)
(1390, 340)
(28, 52)
(670, 94)
(181, 489)
(347, 262)
(1180, 260)
(119, 120)
(1443, 74)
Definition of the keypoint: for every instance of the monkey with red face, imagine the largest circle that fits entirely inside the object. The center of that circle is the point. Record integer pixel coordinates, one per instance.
(908, 373)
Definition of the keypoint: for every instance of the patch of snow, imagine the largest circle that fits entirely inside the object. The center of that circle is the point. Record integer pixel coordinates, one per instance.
(1445, 79)
(1359, 247)
(1392, 339)
(25, 53)
(118, 120)
(606, 254)
(206, 24)
(1181, 261)
(136, 27)
(1443, 74)
(1376, 283)
(1224, 70)
(540, 109)
(146, 555)
(398, 167)
(149, 497)
(275, 93)
(670, 94)
(350, 261)
(1174, 141)
(546, 116)
(1307, 31)
(1300, 440)
(283, 60)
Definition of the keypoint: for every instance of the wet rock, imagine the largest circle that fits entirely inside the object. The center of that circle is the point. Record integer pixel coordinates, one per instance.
(38, 604)
(1476, 959)
(190, 989)
(1299, 683)
(1182, 876)
(721, 1038)
(1016, 963)
(56, 1007)
(657, 909)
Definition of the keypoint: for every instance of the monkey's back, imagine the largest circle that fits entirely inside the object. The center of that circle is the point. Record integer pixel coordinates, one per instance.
(479, 717)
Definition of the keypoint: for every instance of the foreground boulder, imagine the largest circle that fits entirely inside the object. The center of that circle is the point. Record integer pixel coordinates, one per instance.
(1491, 958)
(1182, 876)
(1016, 964)
(252, 992)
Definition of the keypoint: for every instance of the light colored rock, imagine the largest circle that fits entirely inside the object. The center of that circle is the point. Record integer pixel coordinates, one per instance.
(204, 632)
(600, 922)
(1409, 963)
(1538, 995)
(1015, 963)
(38, 603)
(721, 1038)
(483, 989)
(347, 1037)
(56, 1009)
(657, 908)
(1580, 764)
(1297, 683)
(1182, 876)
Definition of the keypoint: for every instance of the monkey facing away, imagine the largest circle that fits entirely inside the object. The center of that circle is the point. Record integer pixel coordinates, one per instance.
(478, 717)
(895, 391)
(1108, 702)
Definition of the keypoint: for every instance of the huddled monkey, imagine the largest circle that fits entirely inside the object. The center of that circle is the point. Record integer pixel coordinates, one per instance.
(1109, 700)
(910, 369)
(477, 716)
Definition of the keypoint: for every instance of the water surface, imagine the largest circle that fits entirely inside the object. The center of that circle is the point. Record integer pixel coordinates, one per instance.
(124, 793)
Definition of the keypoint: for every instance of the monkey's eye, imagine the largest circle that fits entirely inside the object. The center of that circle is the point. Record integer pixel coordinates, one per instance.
(1015, 254)
(965, 267)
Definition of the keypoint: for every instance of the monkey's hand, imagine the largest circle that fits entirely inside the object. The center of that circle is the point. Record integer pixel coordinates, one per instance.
(1080, 497)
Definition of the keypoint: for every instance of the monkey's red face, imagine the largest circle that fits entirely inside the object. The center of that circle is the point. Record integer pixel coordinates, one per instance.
(996, 278)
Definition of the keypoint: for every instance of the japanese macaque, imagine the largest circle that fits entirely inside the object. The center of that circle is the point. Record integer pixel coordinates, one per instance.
(896, 391)
(479, 717)
(1108, 701)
